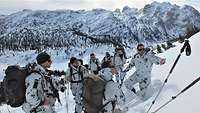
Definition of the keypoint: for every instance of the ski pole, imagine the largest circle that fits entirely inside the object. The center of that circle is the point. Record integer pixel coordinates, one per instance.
(122, 76)
(67, 97)
(185, 47)
(174, 97)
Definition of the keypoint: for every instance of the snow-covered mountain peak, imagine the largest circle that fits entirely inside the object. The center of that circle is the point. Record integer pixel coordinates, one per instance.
(156, 22)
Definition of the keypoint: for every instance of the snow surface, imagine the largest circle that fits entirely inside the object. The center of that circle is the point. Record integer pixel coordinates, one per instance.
(184, 73)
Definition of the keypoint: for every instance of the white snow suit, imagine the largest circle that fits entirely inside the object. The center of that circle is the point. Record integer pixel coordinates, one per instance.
(36, 87)
(119, 61)
(75, 77)
(94, 65)
(142, 75)
(54, 85)
(113, 94)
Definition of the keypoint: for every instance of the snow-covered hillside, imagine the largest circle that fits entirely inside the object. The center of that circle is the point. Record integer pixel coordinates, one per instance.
(42, 28)
(184, 73)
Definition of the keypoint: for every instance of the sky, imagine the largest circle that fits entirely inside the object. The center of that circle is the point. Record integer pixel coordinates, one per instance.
(11, 6)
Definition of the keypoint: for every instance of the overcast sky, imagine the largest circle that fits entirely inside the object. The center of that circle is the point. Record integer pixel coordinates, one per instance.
(11, 6)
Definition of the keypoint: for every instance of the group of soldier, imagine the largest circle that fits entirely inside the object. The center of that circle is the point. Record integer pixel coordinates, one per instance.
(40, 97)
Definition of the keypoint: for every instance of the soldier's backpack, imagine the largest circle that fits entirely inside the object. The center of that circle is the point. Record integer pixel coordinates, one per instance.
(14, 84)
(93, 93)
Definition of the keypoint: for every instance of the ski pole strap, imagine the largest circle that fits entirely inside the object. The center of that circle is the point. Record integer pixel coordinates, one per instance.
(186, 47)
(174, 97)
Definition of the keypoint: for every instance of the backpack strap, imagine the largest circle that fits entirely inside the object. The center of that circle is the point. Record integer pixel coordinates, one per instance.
(102, 108)
(98, 66)
(114, 59)
(96, 62)
(112, 101)
(71, 72)
(79, 73)
(35, 71)
(35, 82)
(104, 59)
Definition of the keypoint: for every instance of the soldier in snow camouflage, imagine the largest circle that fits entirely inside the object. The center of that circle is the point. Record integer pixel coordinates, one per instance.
(143, 61)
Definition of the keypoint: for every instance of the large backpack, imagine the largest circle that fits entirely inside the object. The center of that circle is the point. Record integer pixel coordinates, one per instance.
(14, 84)
(93, 93)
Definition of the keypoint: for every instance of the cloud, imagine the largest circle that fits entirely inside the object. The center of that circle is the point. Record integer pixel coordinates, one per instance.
(8, 6)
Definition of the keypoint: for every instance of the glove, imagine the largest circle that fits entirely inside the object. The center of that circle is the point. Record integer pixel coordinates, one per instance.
(120, 109)
(63, 89)
(162, 61)
(124, 71)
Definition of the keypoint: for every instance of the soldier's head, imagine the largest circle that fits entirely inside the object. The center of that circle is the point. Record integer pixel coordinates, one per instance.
(80, 61)
(44, 60)
(113, 69)
(92, 56)
(140, 49)
(119, 51)
(107, 54)
(108, 73)
(106, 64)
(74, 62)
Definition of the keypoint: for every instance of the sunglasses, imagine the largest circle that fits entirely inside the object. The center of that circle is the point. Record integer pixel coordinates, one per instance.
(49, 60)
(141, 49)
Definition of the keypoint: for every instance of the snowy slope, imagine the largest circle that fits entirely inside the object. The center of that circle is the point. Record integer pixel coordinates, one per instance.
(185, 72)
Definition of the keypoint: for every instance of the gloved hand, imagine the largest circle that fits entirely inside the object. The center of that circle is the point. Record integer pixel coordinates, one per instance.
(63, 89)
(45, 102)
(120, 109)
(162, 61)
(125, 71)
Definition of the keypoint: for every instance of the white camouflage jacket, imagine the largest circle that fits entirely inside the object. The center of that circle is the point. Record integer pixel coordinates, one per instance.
(118, 61)
(73, 74)
(143, 64)
(35, 88)
(93, 65)
(113, 92)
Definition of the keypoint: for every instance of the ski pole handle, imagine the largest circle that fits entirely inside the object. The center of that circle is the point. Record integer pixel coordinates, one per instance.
(184, 46)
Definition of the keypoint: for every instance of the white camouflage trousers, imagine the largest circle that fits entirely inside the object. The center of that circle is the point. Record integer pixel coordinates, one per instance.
(76, 89)
(144, 83)
(120, 76)
(40, 109)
